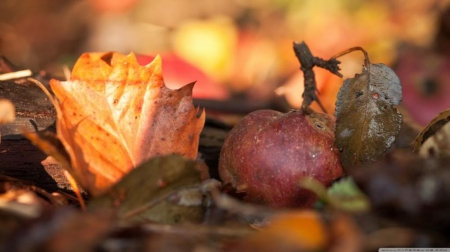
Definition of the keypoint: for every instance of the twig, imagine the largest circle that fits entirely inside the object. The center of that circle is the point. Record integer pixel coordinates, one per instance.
(16, 75)
(308, 62)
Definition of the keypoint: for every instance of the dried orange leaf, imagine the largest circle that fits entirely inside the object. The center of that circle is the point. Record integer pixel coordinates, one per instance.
(113, 114)
(367, 121)
(435, 125)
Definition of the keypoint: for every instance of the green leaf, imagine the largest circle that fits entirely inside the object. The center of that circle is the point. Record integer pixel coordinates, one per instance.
(165, 189)
(347, 196)
(367, 122)
(343, 194)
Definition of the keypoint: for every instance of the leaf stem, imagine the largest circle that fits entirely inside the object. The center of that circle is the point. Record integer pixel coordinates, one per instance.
(356, 48)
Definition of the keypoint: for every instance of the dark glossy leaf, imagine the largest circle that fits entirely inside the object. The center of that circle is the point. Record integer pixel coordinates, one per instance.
(436, 124)
(165, 189)
(367, 121)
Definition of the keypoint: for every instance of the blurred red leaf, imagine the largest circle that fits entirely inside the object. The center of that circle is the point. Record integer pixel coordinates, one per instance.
(178, 72)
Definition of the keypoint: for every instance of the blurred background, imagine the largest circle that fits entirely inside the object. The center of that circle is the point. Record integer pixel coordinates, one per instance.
(242, 48)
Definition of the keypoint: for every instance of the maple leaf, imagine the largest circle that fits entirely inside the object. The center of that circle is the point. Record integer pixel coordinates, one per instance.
(113, 114)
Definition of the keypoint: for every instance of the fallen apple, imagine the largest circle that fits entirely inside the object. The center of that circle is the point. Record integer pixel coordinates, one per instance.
(268, 152)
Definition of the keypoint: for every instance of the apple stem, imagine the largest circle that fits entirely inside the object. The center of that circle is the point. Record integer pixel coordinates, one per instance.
(308, 62)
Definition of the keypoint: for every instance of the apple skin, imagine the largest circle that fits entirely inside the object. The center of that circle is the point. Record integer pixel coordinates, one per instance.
(268, 152)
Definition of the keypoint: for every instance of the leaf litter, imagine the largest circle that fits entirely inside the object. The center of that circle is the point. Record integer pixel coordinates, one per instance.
(168, 203)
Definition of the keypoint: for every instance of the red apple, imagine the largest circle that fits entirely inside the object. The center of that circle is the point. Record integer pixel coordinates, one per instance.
(268, 152)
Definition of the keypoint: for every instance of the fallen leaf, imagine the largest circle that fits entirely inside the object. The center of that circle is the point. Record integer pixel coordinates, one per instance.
(367, 122)
(343, 194)
(172, 194)
(347, 196)
(435, 125)
(437, 144)
(114, 114)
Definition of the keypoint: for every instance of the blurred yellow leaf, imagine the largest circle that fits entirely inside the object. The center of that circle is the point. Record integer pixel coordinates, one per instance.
(208, 44)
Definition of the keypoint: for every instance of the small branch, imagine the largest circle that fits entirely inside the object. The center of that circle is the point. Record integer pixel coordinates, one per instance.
(308, 61)
(16, 75)
(331, 65)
